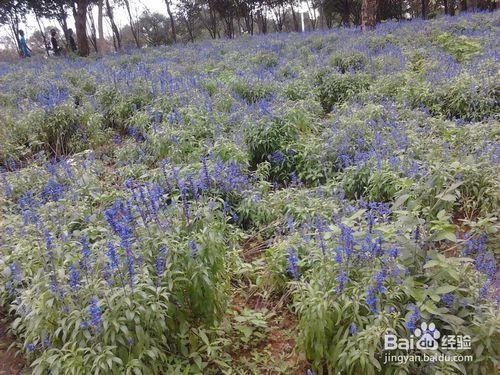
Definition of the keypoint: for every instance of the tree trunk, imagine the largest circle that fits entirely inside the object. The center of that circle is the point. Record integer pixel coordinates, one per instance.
(295, 19)
(62, 17)
(451, 7)
(346, 13)
(312, 15)
(425, 9)
(14, 29)
(80, 15)
(93, 33)
(132, 27)
(189, 29)
(463, 5)
(45, 44)
(369, 13)
(249, 22)
(262, 19)
(172, 21)
(101, 43)
(116, 33)
(213, 22)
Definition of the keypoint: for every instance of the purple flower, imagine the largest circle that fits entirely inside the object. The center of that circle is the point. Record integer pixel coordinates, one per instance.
(342, 279)
(113, 261)
(74, 278)
(448, 299)
(414, 317)
(293, 269)
(185, 204)
(393, 252)
(371, 299)
(15, 270)
(483, 292)
(95, 314)
(53, 191)
(277, 157)
(194, 248)
(353, 329)
(160, 260)
(205, 176)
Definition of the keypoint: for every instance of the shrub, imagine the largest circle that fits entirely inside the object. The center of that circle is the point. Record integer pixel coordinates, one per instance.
(337, 88)
(459, 46)
(349, 62)
(252, 91)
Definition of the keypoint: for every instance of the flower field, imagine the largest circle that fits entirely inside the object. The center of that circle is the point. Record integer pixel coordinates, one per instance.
(264, 205)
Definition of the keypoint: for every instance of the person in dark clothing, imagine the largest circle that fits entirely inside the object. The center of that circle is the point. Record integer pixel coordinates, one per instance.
(71, 41)
(55, 45)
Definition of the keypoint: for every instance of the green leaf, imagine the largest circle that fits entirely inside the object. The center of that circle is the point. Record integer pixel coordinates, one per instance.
(445, 289)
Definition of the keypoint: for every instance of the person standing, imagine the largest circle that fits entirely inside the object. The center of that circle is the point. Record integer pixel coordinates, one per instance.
(71, 41)
(55, 45)
(25, 50)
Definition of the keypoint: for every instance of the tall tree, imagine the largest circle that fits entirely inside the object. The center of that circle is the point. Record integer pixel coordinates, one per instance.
(153, 28)
(190, 12)
(172, 21)
(79, 8)
(117, 41)
(42, 34)
(261, 16)
(369, 14)
(51, 9)
(425, 8)
(13, 11)
(208, 17)
(296, 26)
(132, 26)
(92, 29)
(101, 42)
(227, 11)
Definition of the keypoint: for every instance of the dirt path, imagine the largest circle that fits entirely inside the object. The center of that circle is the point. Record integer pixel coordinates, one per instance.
(10, 364)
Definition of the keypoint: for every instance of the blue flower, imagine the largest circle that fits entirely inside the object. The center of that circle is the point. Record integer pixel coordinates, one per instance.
(74, 278)
(342, 279)
(194, 248)
(277, 157)
(484, 290)
(53, 191)
(95, 314)
(353, 329)
(347, 240)
(448, 299)
(371, 299)
(379, 281)
(15, 270)
(293, 261)
(393, 252)
(486, 263)
(160, 260)
(205, 176)
(185, 204)
(414, 317)
(113, 261)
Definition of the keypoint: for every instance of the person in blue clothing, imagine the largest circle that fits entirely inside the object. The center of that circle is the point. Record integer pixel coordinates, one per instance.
(25, 50)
